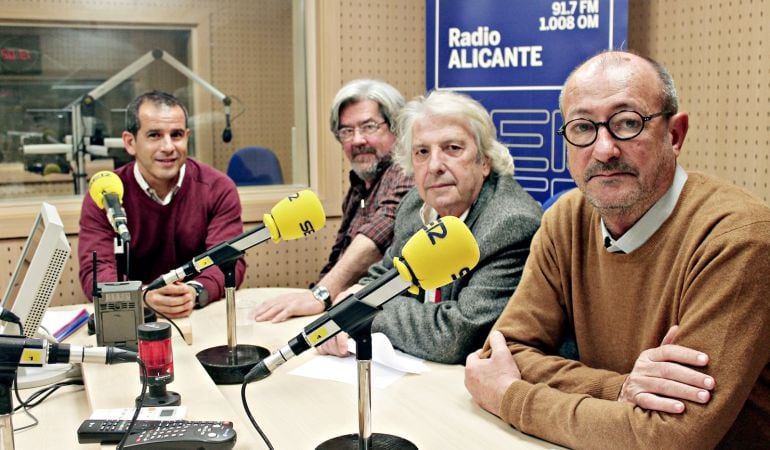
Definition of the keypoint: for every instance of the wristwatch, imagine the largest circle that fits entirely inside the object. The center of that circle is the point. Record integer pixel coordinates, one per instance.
(322, 295)
(201, 295)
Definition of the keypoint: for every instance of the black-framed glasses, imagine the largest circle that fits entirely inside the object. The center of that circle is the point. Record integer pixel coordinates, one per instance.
(623, 125)
(366, 129)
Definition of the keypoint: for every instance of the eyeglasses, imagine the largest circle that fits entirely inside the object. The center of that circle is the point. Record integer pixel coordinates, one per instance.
(366, 129)
(623, 125)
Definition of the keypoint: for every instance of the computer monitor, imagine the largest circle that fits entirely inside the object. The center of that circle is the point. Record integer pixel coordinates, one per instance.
(35, 280)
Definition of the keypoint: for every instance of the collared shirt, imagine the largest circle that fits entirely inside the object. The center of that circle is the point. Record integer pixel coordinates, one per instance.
(151, 192)
(645, 227)
(370, 211)
(428, 214)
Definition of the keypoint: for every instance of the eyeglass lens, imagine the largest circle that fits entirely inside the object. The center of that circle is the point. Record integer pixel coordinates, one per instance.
(368, 128)
(622, 125)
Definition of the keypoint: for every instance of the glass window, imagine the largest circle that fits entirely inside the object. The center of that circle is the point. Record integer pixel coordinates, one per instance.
(240, 69)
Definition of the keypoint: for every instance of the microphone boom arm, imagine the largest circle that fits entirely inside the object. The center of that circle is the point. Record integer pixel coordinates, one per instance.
(82, 108)
(218, 255)
(349, 315)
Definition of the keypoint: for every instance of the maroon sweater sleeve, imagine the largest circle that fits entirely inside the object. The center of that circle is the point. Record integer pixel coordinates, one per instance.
(205, 212)
(96, 234)
(224, 210)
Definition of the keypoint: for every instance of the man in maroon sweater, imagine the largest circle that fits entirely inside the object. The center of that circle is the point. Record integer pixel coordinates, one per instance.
(176, 208)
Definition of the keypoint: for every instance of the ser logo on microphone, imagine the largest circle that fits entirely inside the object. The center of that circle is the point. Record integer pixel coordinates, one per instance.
(464, 271)
(307, 227)
(435, 230)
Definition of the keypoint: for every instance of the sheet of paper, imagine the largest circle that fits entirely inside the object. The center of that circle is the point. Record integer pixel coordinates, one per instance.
(383, 353)
(146, 413)
(388, 365)
(55, 320)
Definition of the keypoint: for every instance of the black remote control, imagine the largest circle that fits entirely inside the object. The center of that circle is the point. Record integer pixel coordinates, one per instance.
(157, 434)
(111, 431)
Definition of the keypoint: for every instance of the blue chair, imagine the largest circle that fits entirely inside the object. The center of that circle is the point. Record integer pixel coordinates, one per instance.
(251, 166)
(547, 204)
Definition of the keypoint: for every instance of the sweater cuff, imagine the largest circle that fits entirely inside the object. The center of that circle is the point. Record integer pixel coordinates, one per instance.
(512, 405)
(610, 388)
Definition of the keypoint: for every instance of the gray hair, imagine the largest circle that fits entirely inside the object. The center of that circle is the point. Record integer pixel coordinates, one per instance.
(668, 97)
(448, 104)
(388, 97)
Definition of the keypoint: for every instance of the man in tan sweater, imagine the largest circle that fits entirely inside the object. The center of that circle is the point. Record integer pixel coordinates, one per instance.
(661, 275)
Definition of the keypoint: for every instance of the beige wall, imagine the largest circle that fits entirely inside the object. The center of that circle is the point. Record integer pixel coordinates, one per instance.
(717, 53)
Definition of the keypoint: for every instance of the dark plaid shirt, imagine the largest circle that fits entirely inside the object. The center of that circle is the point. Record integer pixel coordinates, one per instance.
(370, 212)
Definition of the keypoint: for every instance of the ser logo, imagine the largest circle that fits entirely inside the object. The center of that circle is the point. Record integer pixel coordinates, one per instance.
(435, 230)
(464, 271)
(306, 227)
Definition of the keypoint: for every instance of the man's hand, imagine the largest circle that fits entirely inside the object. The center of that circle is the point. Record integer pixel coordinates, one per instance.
(173, 301)
(288, 305)
(660, 377)
(488, 379)
(336, 346)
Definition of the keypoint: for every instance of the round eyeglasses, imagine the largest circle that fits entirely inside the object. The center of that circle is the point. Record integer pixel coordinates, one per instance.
(623, 125)
(366, 129)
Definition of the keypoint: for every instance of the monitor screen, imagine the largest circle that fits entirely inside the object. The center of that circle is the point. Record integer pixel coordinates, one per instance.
(38, 271)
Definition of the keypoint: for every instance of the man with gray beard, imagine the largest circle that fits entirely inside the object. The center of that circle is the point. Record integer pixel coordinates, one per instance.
(362, 118)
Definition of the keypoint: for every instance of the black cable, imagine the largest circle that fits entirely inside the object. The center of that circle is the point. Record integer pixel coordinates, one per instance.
(242, 111)
(39, 396)
(144, 300)
(7, 315)
(139, 402)
(127, 249)
(251, 418)
(30, 402)
(34, 423)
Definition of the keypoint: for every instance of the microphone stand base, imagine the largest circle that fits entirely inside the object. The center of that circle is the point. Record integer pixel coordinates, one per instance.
(169, 399)
(226, 367)
(378, 441)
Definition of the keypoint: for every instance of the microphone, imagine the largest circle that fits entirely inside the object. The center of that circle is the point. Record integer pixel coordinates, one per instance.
(227, 134)
(293, 217)
(106, 190)
(19, 351)
(439, 253)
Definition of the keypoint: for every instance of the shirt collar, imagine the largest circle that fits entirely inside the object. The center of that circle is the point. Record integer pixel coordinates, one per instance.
(151, 192)
(645, 227)
(428, 214)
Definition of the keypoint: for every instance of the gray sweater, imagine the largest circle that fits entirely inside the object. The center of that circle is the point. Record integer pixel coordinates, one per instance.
(503, 219)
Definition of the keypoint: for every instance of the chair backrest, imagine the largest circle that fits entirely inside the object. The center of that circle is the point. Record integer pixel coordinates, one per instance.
(547, 204)
(254, 166)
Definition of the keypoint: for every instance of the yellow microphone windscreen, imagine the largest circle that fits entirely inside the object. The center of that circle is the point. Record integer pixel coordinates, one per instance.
(105, 182)
(295, 216)
(51, 168)
(441, 252)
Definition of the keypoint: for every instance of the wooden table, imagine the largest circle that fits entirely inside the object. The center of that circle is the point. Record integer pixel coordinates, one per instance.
(432, 410)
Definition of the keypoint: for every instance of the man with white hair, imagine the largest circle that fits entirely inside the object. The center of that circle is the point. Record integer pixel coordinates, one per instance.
(447, 140)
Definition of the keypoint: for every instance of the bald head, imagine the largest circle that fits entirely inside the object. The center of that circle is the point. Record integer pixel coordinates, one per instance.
(622, 176)
(626, 67)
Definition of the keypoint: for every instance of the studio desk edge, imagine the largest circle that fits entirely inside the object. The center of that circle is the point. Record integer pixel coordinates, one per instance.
(432, 410)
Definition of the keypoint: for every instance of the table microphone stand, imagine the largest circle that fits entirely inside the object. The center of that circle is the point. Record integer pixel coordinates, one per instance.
(227, 364)
(365, 440)
(6, 409)
(121, 257)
